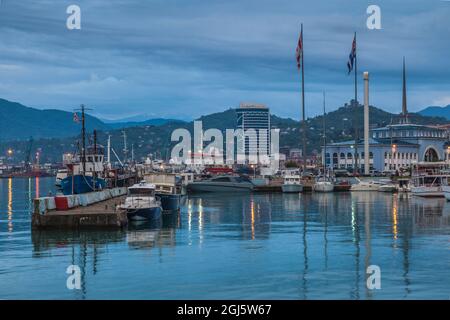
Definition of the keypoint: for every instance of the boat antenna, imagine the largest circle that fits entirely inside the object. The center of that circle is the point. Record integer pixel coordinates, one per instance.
(83, 136)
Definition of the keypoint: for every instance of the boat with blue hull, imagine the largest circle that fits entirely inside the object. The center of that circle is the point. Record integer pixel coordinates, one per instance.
(142, 203)
(169, 188)
(78, 184)
(169, 202)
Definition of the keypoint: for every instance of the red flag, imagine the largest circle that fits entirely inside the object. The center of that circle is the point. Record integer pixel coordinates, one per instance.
(299, 51)
(75, 118)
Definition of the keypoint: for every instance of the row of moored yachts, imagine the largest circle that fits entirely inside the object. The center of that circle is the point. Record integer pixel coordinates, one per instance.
(427, 180)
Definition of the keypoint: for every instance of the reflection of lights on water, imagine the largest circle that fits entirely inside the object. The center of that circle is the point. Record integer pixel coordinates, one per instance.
(353, 219)
(394, 218)
(200, 220)
(37, 187)
(10, 212)
(189, 219)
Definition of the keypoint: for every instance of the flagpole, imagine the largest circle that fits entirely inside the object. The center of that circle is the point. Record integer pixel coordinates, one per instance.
(303, 105)
(356, 169)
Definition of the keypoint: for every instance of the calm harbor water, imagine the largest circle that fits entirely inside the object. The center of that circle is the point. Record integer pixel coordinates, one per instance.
(256, 246)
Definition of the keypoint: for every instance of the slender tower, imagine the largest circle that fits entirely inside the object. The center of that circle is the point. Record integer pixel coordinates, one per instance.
(366, 124)
(404, 116)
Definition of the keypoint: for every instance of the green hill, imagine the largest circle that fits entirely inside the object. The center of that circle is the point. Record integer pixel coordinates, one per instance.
(155, 139)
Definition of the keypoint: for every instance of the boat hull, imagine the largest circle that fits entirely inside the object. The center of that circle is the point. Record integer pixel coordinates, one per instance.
(364, 187)
(142, 214)
(169, 202)
(342, 187)
(79, 184)
(216, 187)
(292, 188)
(388, 189)
(428, 192)
(324, 187)
(446, 191)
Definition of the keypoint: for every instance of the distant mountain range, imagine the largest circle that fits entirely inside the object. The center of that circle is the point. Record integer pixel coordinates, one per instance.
(435, 111)
(18, 122)
(155, 139)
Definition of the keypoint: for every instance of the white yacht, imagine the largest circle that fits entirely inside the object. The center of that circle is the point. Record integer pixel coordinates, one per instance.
(292, 184)
(141, 202)
(221, 184)
(371, 185)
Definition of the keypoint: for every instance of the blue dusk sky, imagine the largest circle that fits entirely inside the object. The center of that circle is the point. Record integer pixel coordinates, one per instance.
(185, 58)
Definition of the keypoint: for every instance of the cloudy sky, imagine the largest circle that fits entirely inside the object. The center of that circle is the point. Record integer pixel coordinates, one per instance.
(185, 58)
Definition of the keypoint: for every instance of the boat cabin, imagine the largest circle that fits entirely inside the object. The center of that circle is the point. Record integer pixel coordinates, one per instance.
(142, 189)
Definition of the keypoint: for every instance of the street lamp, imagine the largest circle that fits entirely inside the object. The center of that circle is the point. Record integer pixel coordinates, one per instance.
(10, 152)
(394, 150)
(254, 171)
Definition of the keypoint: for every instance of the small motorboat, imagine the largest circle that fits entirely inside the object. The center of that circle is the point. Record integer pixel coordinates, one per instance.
(141, 202)
(292, 184)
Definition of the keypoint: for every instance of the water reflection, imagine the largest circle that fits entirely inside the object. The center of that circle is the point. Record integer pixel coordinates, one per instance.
(10, 208)
(306, 246)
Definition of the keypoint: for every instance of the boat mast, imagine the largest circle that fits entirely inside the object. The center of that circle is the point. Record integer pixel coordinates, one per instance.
(324, 137)
(83, 140)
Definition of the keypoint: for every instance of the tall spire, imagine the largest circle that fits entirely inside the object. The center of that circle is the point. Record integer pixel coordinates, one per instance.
(404, 118)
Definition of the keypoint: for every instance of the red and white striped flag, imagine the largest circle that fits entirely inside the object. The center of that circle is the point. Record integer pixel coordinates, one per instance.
(76, 118)
(299, 50)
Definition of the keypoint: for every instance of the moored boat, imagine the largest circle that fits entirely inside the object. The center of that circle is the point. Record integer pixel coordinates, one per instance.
(292, 184)
(428, 179)
(390, 187)
(324, 184)
(342, 185)
(221, 184)
(141, 202)
(371, 185)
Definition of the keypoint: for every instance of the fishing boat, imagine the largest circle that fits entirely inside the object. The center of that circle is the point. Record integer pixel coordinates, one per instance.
(221, 184)
(141, 202)
(292, 184)
(85, 173)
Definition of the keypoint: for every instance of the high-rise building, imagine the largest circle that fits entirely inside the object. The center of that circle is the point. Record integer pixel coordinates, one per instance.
(256, 117)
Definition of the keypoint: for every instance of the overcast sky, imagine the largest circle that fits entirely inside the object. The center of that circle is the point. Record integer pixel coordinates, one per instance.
(186, 58)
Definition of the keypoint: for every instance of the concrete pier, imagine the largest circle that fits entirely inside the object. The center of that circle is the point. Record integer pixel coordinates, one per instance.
(101, 214)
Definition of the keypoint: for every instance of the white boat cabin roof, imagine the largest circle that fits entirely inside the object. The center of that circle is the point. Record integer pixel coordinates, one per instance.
(143, 185)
